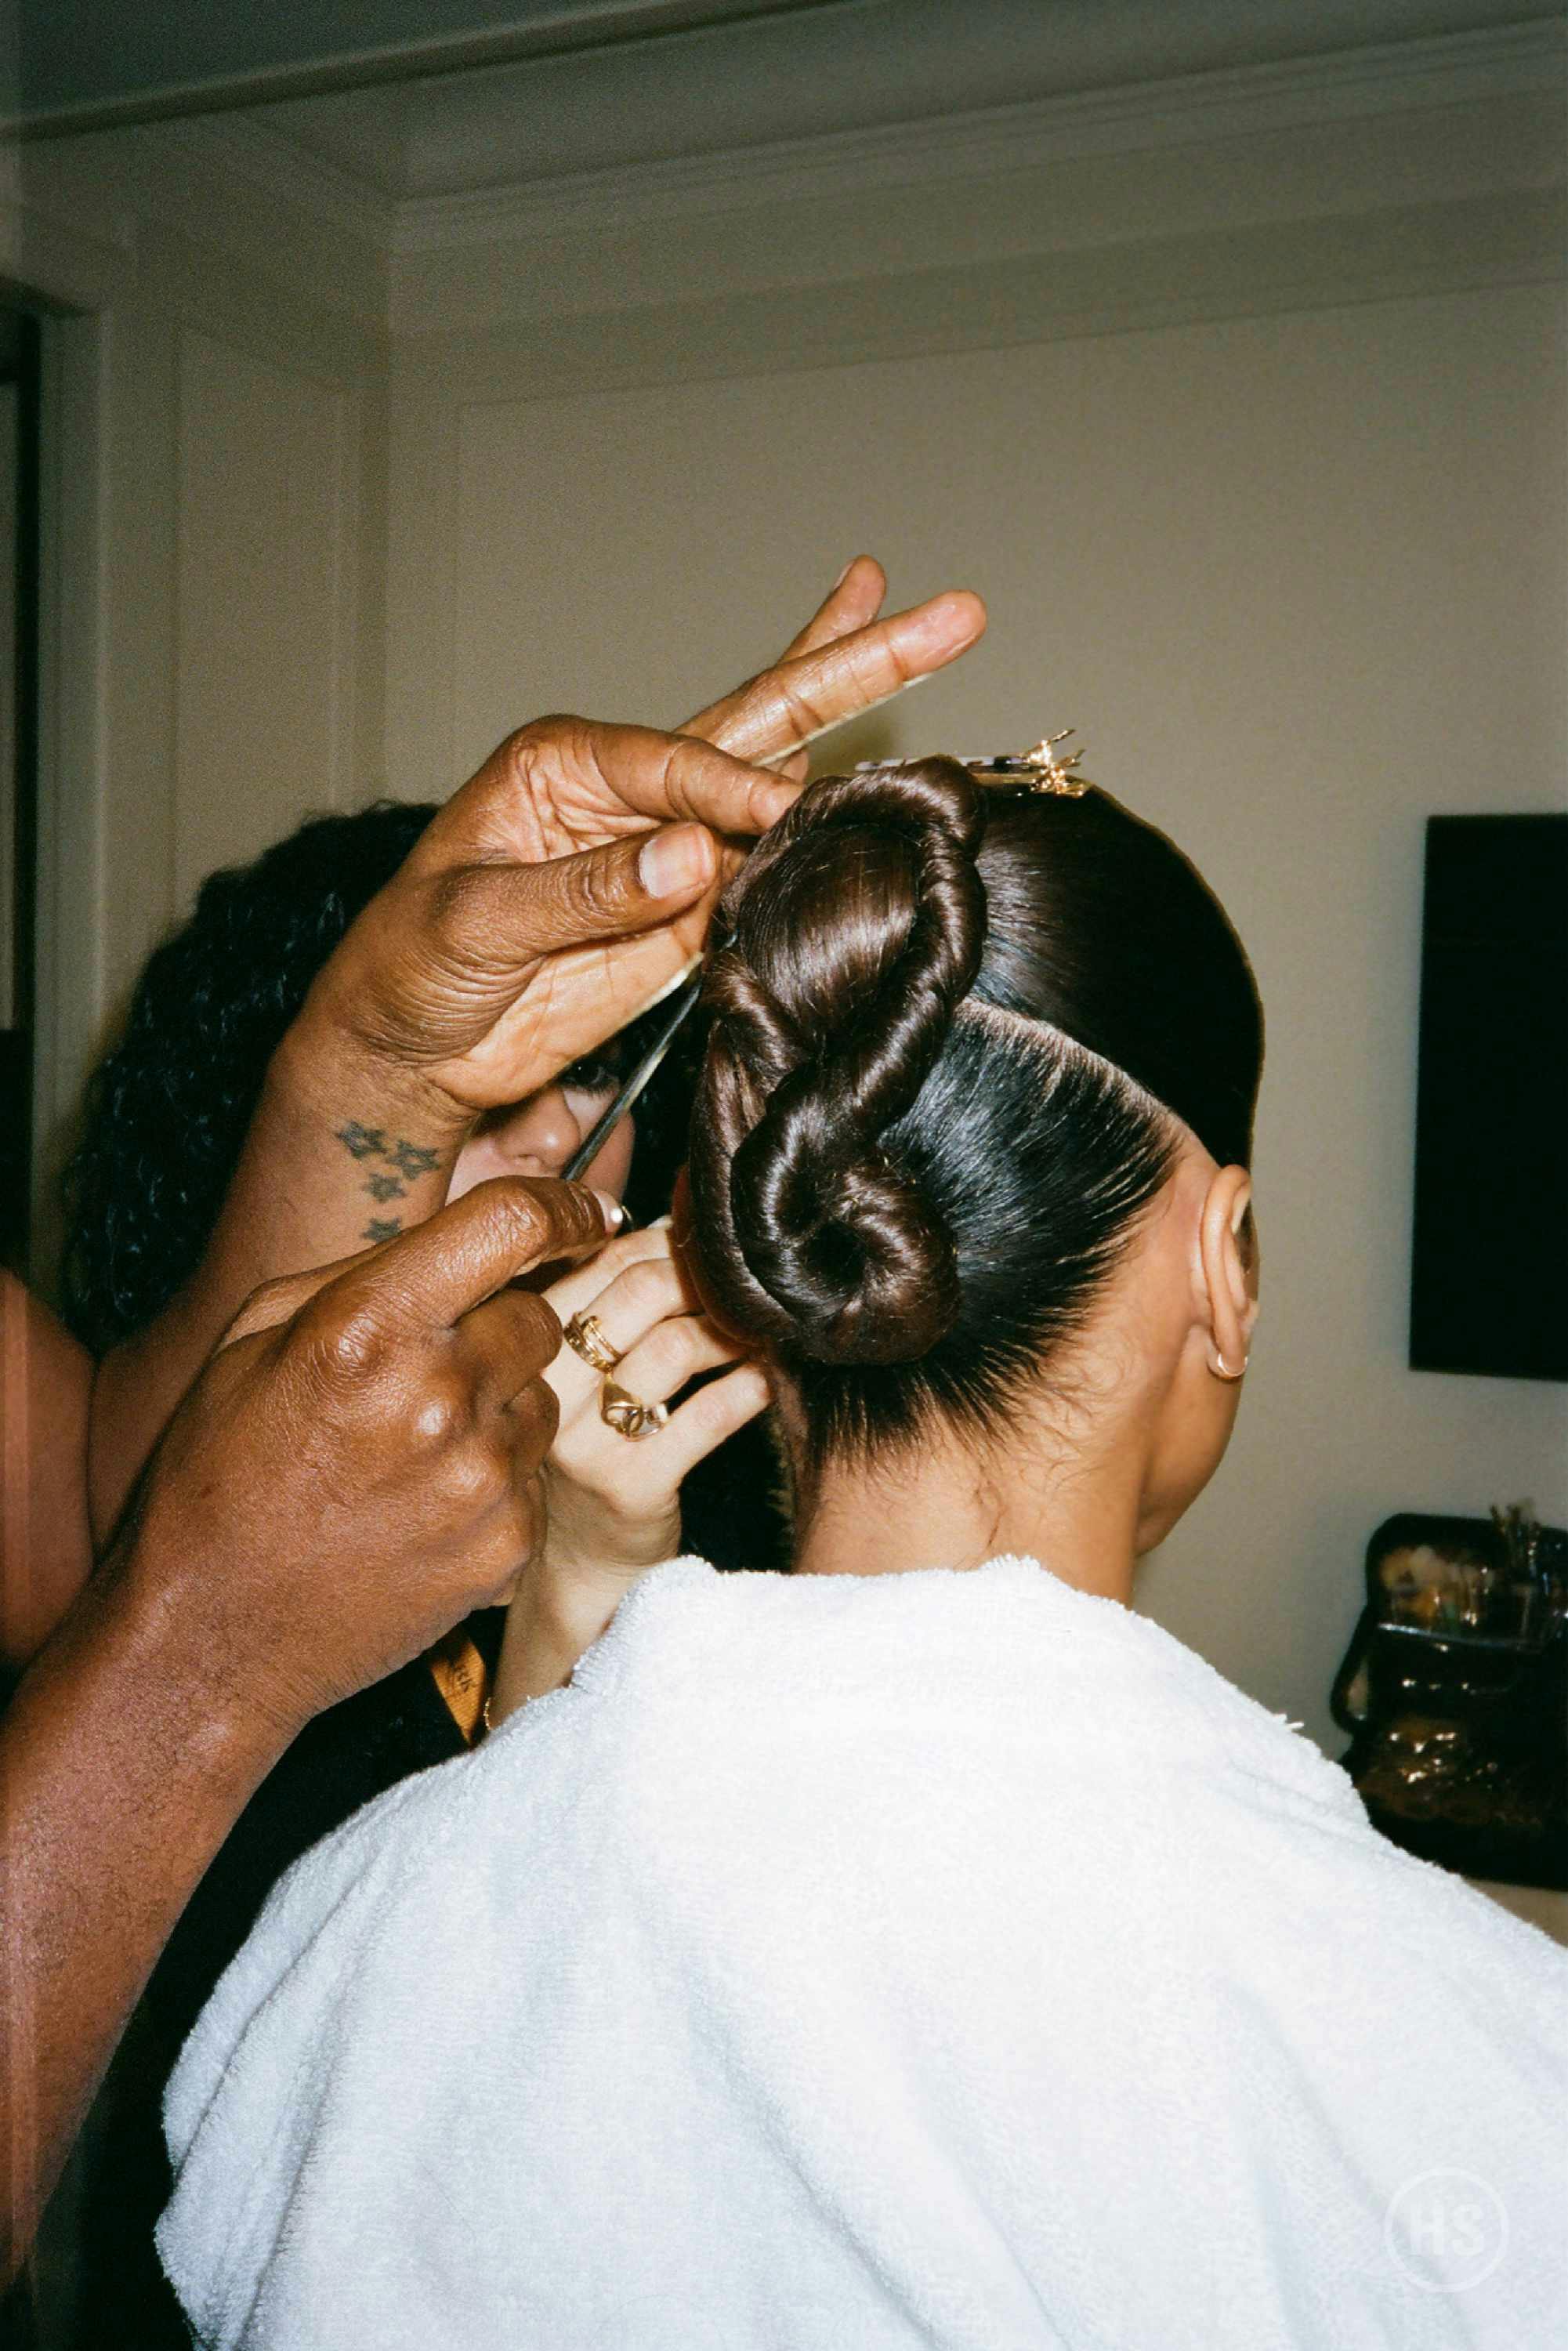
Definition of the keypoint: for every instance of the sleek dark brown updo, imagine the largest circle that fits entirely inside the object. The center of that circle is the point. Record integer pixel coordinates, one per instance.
(952, 1031)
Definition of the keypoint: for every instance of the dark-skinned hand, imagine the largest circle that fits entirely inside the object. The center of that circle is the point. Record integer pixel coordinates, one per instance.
(359, 1465)
(569, 882)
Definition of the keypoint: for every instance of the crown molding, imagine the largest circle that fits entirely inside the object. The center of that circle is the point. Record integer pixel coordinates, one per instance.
(288, 175)
(1395, 78)
(1424, 250)
(241, 184)
(219, 189)
(567, 30)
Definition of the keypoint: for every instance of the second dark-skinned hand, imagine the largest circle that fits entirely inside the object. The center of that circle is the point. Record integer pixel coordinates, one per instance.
(359, 1465)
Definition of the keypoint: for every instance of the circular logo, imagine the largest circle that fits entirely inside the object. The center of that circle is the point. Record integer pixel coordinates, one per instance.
(1446, 2230)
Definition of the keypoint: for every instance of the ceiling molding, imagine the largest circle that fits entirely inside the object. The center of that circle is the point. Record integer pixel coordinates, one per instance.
(324, 247)
(1456, 69)
(603, 240)
(1452, 70)
(288, 175)
(1247, 195)
(567, 30)
(1395, 254)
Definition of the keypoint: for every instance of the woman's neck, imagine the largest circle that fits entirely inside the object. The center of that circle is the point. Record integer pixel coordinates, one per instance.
(946, 1503)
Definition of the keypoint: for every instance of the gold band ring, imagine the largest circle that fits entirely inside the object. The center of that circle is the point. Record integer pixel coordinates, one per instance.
(584, 1334)
(628, 1415)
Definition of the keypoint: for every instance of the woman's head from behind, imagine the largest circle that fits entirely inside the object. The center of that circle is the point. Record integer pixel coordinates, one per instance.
(972, 1132)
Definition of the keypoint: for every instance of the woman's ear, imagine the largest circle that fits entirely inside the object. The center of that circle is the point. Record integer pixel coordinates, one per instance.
(1227, 1257)
(684, 1250)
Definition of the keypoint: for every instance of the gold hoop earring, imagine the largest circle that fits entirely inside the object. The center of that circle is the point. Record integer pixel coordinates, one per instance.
(1222, 1371)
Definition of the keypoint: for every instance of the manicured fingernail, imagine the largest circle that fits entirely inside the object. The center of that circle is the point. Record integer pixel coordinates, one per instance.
(680, 857)
(614, 1210)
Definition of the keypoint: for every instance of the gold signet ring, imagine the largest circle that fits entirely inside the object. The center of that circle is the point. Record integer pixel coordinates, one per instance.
(584, 1334)
(628, 1415)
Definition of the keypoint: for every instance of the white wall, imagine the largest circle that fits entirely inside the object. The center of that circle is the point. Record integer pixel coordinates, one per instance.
(214, 476)
(1297, 579)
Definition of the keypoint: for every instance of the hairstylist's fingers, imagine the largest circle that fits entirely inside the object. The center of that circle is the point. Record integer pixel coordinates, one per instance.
(599, 774)
(704, 1422)
(852, 602)
(505, 917)
(507, 1342)
(776, 713)
(532, 1419)
(392, 1265)
(428, 1278)
(278, 1302)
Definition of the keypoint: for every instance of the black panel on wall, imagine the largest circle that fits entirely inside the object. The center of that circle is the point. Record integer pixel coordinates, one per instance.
(1489, 1283)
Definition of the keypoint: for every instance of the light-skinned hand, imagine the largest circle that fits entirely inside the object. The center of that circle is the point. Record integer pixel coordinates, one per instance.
(614, 1502)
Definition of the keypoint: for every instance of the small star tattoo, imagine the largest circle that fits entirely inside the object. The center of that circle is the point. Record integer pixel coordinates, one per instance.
(383, 1188)
(382, 1228)
(411, 1159)
(362, 1140)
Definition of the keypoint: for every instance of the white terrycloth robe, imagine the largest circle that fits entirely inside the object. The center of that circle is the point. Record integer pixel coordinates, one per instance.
(938, 1959)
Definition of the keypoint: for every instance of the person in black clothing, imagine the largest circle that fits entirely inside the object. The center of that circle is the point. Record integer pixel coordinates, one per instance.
(167, 1114)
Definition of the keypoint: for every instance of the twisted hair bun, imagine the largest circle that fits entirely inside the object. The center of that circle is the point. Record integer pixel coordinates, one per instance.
(857, 928)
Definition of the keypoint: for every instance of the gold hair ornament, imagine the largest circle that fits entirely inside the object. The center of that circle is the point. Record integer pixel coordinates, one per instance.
(1039, 770)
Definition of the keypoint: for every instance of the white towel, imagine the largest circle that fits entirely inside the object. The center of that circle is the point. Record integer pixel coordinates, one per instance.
(938, 1959)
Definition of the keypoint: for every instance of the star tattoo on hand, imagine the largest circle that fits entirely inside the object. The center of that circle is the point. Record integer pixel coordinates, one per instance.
(363, 1141)
(382, 1228)
(411, 1159)
(383, 1188)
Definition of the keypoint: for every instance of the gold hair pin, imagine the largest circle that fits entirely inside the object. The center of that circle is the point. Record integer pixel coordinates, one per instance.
(1039, 770)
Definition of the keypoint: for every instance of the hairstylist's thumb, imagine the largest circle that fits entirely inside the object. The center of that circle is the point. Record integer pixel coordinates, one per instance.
(427, 1279)
(607, 893)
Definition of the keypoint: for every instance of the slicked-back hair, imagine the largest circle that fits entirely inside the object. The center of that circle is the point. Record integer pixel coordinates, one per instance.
(955, 1034)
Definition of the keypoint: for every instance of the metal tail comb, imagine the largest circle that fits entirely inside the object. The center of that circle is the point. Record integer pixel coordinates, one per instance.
(633, 1086)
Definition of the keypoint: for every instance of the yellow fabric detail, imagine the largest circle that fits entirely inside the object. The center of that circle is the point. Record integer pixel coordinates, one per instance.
(462, 1680)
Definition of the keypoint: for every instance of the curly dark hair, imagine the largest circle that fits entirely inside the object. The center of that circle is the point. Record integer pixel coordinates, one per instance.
(168, 1109)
